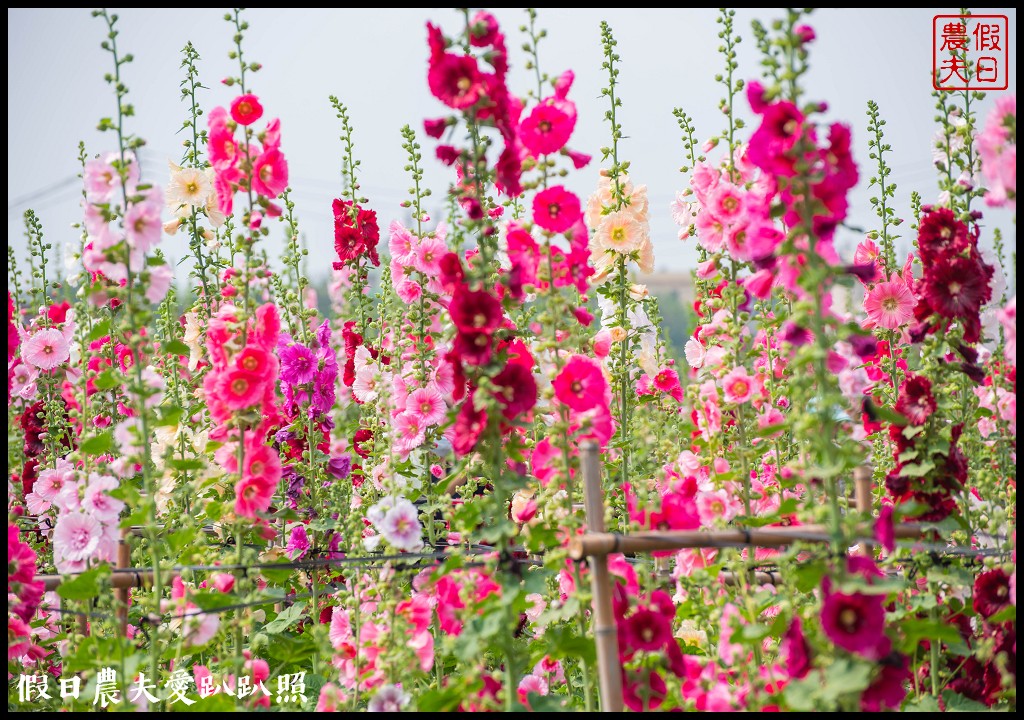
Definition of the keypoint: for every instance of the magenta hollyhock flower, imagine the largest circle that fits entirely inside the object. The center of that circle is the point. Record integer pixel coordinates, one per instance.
(246, 109)
(475, 311)
(556, 209)
(469, 425)
(548, 127)
(915, 400)
(794, 651)
(890, 304)
(643, 689)
(298, 364)
(855, 622)
(270, 173)
(771, 144)
(991, 592)
(885, 532)
(456, 80)
(238, 389)
(647, 630)
(483, 30)
(887, 690)
(581, 384)
(298, 542)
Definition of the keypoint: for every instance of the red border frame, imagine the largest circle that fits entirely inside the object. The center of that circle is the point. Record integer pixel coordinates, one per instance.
(1006, 51)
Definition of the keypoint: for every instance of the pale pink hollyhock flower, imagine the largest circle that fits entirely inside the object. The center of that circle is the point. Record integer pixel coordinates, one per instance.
(160, 277)
(1008, 318)
(890, 304)
(427, 404)
(402, 243)
(695, 353)
(143, 227)
(198, 628)
(429, 254)
(401, 526)
(23, 381)
(444, 378)
(714, 357)
(716, 505)
(410, 431)
(341, 629)
(683, 213)
(738, 386)
(409, 291)
(729, 651)
(96, 501)
(707, 268)
(536, 607)
(532, 684)
(721, 465)
(36, 504)
(46, 349)
(389, 699)
(365, 388)
(52, 480)
(688, 462)
(102, 178)
(76, 536)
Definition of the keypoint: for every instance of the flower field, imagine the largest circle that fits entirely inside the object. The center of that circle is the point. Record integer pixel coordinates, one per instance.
(474, 472)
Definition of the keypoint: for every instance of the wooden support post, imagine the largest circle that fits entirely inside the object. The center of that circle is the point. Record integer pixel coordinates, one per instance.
(605, 630)
(862, 490)
(124, 561)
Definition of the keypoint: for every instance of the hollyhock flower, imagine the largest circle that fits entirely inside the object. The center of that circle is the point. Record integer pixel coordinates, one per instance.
(794, 651)
(643, 690)
(475, 311)
(400, 526)
(915, 400)
(772, 143)
(531, 685)
(647, 630)
(188, 188)
(331, 699)
(246, 109)
(890, 304)
(456, 80)
(548, 127)
(410, 431)
(581, 384)
(157, 280)
(991, 592)
(556, 209)
(1008, 319)
(102, 178)
(889, 688)
(695, 353)
(621, 232)
(46, 349)
(856, 623)
(388, 699)
(253, 494)
(469, 425)
(738, 386)
(76, 536)
(402, 243)
(238, 389)
(429, 254)
(941, 236)
(97, 502)
(427, 404)
(298, 364)
(298, 542)
(270, 173)
(885, 532)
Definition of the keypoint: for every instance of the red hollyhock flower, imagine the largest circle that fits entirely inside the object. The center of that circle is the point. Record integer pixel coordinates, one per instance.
(991, 592)
(581, 385)
(794, 651)
(469, 425)
(647, 630)
(246, 109)
(889, 687)
(516, 390)
(941, 236)
(452, 273)
(475, 311)
(915, 400)
(957, 288)
(362, 436)
(556, 209)
(456, 80)
(856, 623)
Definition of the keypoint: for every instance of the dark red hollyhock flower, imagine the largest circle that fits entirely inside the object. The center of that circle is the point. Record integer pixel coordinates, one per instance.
(897, 485)
(456, 80)
(362, 436)
(458, 376)
(475, 311)
(473, 348)
(941, 236)
(794, 651)
(864, 345)
(516, 390)
(957, 288)
(647, 630)
(915, 401)
(889, 687)
(469, 425)
(973, 681)
(447, 154)
(855, 622)
(938, 505)
(991, 592)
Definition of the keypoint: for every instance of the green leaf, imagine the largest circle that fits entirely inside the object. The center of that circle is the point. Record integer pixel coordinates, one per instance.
(219, 702)
(84, 586)
(186, 464)
(924, 703)
(443, 700)
(212, 600)
(108, 379)
(97, 444)
(958, 703)
(167, 416)
(176, 347)
(844, 676)
(917, 469)
(99, 330)
(285, 618)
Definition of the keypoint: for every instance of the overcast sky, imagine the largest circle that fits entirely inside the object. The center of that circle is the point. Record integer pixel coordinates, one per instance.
(375, 61)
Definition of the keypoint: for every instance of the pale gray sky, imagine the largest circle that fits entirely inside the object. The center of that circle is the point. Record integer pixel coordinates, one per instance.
(375, 61)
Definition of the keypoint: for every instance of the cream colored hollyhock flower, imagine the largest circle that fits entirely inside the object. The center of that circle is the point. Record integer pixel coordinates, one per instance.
(620, 231)
(598, 201)
(193, 338)
(638, 292)
(646, 258)
(188, 188)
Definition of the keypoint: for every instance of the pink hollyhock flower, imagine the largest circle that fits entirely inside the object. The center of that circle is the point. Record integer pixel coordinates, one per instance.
(885, 532)
(456, 80)
(428, 405)
(716, 505)
(246, 109)
(331, 699)
(794, 651)
(253, 495)
(737, 386)
(158, 282)
(581, 384)
(524, 511)
(239, 389)
(531, 685)
(410, 431)
(1008, 319)
(667, 381)
(890, 304)
(855, 622)
(729, 651)
(102, 178)
(400, 526)
(556, 209)
(602, 343)
(97, 502)
(76, 536)
(143, 228)
(429, 254)
(643, 690)
(867, 254)
(46, 349)
(548, 127)
(402, 243)
(409, 291)
(760, 284)
(223, 582)
(298, 542)
(270, 173)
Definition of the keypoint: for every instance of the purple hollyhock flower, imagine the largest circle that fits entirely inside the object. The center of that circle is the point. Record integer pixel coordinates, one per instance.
(340, 467)
(298, 364)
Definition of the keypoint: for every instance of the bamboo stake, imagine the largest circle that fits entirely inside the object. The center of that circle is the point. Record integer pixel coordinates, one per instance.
(118, 581)
(124, 560)
(605, 630)
(862, 490)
